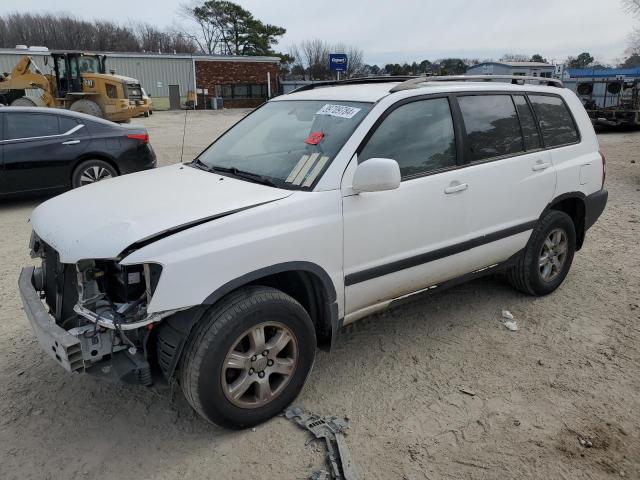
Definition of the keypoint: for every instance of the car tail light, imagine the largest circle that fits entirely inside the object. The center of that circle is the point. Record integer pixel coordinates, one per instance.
(143, 137)
(604, 166)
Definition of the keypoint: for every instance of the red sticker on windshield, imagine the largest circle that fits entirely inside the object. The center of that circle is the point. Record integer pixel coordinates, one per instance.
(314, 138)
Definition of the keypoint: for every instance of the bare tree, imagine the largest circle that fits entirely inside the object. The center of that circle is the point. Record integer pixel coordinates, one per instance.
(312, 57)
(514, 57)
(205, 34)
(632, 6)
(65, 32)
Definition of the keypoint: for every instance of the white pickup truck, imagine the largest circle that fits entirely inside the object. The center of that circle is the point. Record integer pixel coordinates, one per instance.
(317, 209)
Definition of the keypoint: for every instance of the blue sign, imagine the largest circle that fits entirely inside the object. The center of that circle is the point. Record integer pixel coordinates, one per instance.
(338, 62)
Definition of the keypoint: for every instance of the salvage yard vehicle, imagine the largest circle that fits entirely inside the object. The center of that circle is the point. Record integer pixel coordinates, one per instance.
(610, 102)
(46, 150)
(321, 207)
(78, 82)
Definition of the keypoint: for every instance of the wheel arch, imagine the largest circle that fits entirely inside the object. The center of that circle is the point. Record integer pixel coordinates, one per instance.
(573, 204)
(306, 282)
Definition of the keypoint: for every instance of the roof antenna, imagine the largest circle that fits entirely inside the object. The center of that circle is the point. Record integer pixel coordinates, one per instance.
(184, 127)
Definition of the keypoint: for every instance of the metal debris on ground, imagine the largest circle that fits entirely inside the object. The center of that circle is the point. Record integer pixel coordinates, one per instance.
(332, 430)
(508, 321)
(585, 442)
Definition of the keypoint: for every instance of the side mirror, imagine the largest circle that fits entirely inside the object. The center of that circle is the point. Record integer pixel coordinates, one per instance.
(376, 175)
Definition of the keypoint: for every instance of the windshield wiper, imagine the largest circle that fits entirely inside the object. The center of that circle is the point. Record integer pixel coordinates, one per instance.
(252, 177)
(199, 164)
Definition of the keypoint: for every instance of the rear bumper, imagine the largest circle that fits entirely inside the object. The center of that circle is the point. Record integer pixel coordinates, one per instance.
(594, 206)
(142, 158)
(63, 347)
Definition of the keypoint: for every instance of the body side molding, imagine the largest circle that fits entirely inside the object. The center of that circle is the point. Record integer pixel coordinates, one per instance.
(381, 270)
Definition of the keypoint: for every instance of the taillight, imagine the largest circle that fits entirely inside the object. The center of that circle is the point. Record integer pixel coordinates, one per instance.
(604, 166)
(143, 137)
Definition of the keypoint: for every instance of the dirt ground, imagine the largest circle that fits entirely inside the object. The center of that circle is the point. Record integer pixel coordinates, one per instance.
(571, 371)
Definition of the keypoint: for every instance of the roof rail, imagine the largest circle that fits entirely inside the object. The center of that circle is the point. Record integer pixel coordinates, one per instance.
(351, 81)
(515, 79)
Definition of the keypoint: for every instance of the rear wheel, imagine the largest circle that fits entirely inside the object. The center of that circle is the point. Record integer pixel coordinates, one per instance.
(92, 171)
(547, 257)
(24, 102)
(248, 358)
(87, 106)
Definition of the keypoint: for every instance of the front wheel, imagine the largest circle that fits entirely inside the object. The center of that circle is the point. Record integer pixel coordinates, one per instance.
(248, 358)
(547, 257)
(87, 106)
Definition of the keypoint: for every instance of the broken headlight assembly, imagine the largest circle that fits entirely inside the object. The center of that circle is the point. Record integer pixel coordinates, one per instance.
(116, 296)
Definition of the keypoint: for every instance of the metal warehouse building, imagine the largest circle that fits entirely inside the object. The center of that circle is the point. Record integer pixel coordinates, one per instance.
(530, 69)
(239, 81)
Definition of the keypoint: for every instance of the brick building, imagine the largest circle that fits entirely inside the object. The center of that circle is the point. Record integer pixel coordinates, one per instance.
(242, 82)
(168, 78)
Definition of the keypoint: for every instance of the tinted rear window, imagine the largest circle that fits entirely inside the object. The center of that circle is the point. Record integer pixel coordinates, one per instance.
(555, 120)
(492, 126)
(67, 123)
(27, 125)
(528, 123)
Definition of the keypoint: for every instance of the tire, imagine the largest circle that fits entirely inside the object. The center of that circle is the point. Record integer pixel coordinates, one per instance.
(225, 335)
(24, 102)
(532, 274)
(146, 114)
(92, 171)
(87, 106)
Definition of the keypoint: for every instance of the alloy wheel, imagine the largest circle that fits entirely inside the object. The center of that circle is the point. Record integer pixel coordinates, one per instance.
(553, 254)
(94, 174)
(259, 365)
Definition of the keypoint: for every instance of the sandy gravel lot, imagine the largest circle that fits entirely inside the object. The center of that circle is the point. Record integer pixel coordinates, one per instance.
(573, 369)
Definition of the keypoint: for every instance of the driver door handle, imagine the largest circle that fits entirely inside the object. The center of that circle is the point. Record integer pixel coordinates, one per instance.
(456, 187)
(71, 142)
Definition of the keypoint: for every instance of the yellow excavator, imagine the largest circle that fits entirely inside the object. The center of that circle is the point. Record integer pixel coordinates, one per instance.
(77, 82)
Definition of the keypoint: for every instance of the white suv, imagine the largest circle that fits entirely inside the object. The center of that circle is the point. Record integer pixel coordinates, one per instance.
(319, 208)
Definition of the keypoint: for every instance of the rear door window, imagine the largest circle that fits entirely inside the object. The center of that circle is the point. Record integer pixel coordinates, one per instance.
(492, 126)
(555, 121)
(30, 125)
(528, 123)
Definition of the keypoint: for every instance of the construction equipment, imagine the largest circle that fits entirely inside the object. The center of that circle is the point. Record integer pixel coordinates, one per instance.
(144, 108)
(78, 82)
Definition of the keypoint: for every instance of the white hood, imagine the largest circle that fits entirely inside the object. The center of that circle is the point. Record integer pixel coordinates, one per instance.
(103, 219)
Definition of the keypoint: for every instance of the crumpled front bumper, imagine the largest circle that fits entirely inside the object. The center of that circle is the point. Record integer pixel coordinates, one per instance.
(63, 347)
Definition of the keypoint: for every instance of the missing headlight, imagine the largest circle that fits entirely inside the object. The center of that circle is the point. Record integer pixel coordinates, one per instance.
(113, 294)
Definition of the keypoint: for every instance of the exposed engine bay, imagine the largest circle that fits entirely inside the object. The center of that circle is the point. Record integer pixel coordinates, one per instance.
(104, 305)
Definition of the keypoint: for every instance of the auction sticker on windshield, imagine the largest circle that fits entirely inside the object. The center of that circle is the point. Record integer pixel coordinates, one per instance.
(342, 111)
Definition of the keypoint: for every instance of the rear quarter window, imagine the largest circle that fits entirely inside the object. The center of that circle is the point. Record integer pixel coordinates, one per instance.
(556, 123)
(67, 123)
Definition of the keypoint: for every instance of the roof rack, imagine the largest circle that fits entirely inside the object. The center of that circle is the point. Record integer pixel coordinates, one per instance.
(515, 79)
(351, 81)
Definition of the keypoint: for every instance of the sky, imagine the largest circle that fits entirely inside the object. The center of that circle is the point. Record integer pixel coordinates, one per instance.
(398, 31)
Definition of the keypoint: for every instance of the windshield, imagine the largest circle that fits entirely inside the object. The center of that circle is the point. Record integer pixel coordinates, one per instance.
(89, 65)
(287, 143)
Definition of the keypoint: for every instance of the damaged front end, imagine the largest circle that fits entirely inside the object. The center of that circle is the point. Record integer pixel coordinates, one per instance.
(100, 321)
